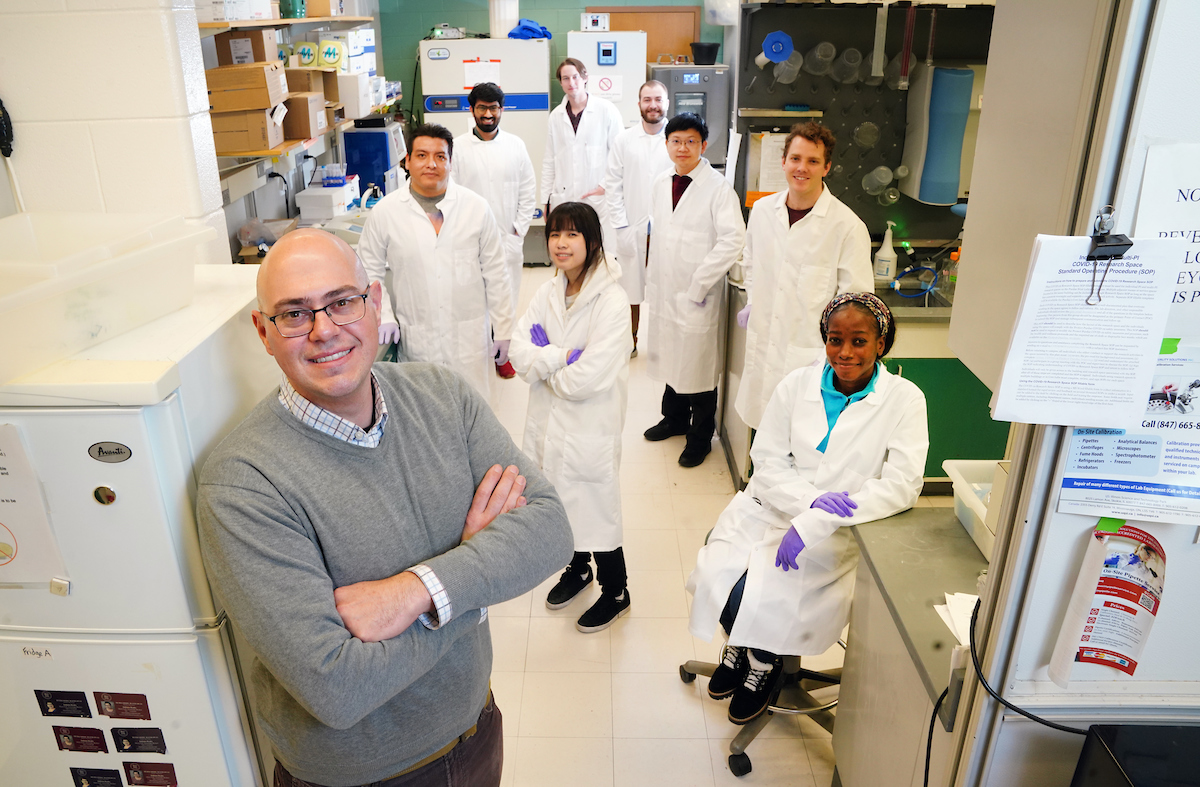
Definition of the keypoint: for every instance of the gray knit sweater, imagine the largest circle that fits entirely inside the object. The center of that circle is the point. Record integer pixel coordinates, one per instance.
(287, 514)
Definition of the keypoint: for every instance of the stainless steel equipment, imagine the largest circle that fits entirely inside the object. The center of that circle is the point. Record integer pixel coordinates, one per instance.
(705, 91)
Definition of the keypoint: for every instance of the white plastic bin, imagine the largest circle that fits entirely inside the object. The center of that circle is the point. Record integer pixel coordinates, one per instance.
(972, 480)
(71, 280)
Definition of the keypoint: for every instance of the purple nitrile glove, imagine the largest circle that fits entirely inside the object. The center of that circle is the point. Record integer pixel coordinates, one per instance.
(537, 335)
(701, 303)
(835, 503)
(573, 356)
(389, 333)
(791, 546)
(743, 317)
(500, 351)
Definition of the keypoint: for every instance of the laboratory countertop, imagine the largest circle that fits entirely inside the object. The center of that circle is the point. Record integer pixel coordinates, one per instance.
(916, 558)
(930, 309)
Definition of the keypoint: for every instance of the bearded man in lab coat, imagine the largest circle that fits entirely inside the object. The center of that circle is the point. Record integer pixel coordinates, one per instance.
(803, 246)
(436, 249)
(495, 165)
(696, 234)
(638, 156)
(582, 129)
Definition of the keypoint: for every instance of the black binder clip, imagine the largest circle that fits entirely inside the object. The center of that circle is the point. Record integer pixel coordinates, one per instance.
(1106, 246)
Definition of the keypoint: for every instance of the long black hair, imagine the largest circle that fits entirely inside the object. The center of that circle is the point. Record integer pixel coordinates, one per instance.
(580, 217)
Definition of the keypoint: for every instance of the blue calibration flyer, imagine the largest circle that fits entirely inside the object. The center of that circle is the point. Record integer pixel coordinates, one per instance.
(1151, 475)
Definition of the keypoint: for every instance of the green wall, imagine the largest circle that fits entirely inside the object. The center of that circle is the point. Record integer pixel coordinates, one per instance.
(405, 22)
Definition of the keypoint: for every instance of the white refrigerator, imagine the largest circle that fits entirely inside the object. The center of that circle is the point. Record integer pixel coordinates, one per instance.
(116, 666)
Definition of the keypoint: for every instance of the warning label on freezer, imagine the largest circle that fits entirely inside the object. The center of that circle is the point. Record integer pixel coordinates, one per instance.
(123, 706)
(152, 774)
(139, 739)
(96, 777)
(63, 703)
(80, 739)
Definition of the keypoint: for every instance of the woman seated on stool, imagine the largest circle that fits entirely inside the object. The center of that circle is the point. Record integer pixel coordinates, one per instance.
(838, 445)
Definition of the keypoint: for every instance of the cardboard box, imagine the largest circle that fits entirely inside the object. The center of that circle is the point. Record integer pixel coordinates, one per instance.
(235, 47)
(359, 64)
(305, 117)
(306, 51)
(250, 86)
(324, 8)
(331, 53)
(236, 132)
(314, 80)
(259, 9)
(334, 114)
(354, 90)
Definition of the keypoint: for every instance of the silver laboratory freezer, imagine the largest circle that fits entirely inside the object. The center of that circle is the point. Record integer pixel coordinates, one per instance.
(131, 677)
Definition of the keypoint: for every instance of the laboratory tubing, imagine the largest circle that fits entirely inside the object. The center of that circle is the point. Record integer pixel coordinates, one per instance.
(819, 59)
(875, 181)
(845, 68)
(892, 72)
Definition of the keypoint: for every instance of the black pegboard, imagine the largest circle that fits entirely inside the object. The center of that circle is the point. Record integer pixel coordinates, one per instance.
(962, 35)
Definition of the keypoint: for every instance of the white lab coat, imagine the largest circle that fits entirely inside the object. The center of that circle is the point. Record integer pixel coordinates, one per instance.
(791, 274)
(876, 452)
(574, 163)
(500, 171)
(447, 291)
(635, 160)
(691, 249)
(576, 413)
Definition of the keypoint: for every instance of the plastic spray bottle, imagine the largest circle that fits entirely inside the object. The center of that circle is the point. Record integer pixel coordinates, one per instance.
(885, 258)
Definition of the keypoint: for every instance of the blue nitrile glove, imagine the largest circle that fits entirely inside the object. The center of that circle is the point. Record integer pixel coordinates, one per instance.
(835, 503)
(537, 335)
(791, 546)
(573, 356)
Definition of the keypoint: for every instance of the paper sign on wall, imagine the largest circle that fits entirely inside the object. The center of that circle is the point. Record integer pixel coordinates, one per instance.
(1114, 603)
(476, 71)
(29, 553)
(1087, 334)
(610, 87)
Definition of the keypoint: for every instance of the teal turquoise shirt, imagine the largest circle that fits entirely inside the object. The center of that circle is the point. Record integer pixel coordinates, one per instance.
(836, 401)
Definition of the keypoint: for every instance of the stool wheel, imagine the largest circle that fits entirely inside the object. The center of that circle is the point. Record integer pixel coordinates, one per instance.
(685, 676)
(739, 764)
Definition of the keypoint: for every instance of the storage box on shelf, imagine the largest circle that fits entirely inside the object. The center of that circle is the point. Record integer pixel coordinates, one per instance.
(248, 86)
(236, 47)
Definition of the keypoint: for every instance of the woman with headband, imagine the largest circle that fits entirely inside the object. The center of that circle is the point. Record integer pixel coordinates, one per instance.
(839, 444)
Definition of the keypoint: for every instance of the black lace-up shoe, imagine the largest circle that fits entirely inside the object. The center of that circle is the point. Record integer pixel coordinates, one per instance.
(729, 674)
(604, 612)
(750, 700)
(570, 585)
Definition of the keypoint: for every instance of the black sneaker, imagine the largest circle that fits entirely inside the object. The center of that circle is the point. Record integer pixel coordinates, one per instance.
(729, 674)
(570, 585)
(750, 700)
(602, 614)
(693, 455)
(664, 429)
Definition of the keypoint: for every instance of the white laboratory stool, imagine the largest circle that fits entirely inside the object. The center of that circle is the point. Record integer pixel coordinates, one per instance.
(800, 692)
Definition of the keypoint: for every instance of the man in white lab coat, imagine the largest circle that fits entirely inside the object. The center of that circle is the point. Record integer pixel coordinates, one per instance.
(696, 234)
(803, 246)
(582, 129)
(638, 156)
(495, 165)
(436, 248)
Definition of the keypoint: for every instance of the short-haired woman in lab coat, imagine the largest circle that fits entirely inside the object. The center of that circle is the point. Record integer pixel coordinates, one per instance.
(572, 346)
(839, 444)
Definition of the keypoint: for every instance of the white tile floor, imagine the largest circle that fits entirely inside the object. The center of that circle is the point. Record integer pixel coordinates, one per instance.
(609, 708)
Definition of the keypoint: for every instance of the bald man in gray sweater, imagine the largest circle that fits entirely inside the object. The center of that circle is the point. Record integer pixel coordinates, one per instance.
(356, 526)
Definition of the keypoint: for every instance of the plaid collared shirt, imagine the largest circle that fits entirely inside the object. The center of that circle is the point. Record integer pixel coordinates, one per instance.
(328, 423)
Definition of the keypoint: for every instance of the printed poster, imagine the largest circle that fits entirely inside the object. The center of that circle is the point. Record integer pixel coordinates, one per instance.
(29, 553)
(1114, 603)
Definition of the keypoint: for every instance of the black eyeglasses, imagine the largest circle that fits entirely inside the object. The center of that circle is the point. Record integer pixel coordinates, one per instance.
(299, 322)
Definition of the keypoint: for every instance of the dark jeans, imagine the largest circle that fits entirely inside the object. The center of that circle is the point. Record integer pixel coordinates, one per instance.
(476, 761)
(610, 569)
(697, 411)
(729, 614)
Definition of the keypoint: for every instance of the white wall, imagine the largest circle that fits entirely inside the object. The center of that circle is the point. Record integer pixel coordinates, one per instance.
(109, 107)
